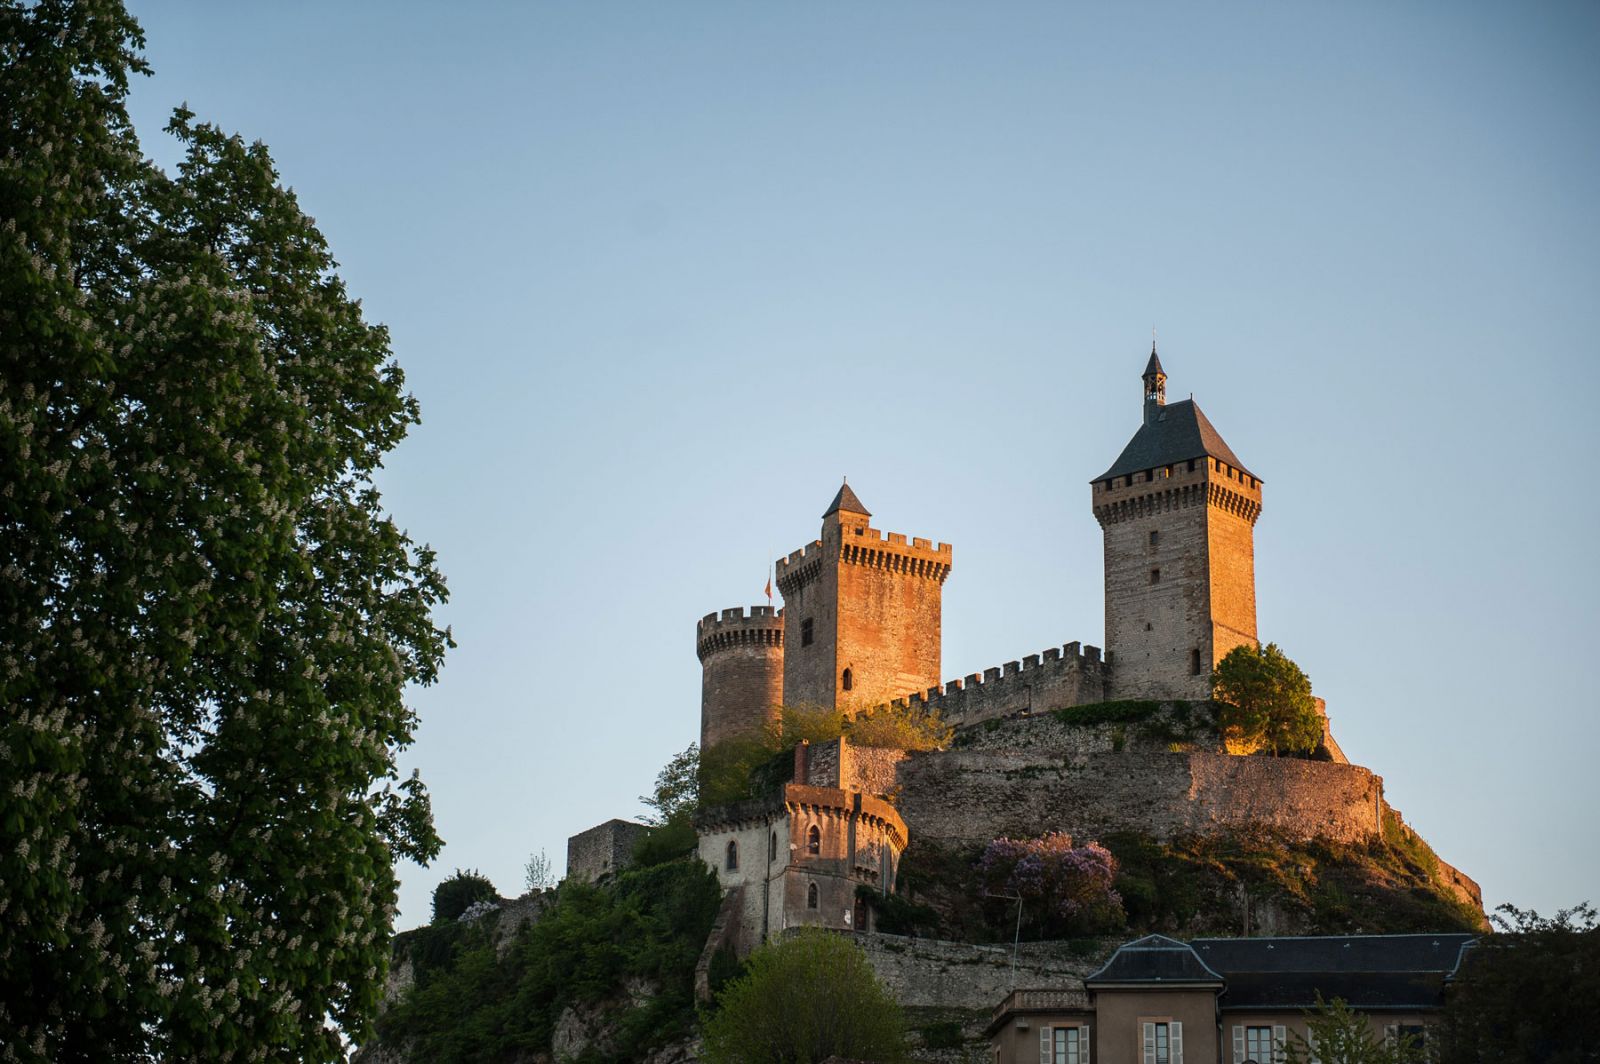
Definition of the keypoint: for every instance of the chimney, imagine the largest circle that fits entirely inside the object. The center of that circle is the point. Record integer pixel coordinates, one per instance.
(802, 761)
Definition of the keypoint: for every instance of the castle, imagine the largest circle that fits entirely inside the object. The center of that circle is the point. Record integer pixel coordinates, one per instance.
(860, 627)
(861, 616)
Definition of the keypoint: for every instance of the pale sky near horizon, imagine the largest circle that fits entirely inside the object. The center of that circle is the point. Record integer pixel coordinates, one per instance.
(659, 274)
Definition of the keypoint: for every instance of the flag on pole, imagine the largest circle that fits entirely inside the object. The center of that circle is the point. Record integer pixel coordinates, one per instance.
(769, 589)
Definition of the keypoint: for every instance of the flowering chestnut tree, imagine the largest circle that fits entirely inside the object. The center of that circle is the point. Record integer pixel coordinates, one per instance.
(1064, 888)
(206, 617)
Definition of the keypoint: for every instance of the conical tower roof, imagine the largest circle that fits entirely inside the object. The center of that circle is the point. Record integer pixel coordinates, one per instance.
(1154, 365)
(846, 502)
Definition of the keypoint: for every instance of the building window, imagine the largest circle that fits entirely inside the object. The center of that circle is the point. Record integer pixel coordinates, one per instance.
(1163, 1043)
(1155, 537)
(1155, 576)
(811, 896)
(733, 856)
(814, 839)
(772, 848)
(1258, 1045)
(1064, 1045)
(1194, 661)
(847, 681)
(1191, 465)
(805, 632)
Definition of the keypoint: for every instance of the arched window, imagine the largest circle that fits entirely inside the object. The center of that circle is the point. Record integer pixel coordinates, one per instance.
(814, 839)
(847, 681)
(811, 896)
(733, 856)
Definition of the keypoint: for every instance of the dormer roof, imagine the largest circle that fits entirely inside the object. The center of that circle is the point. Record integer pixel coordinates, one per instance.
(1154, 959)
(1179, 432)
(846, 502)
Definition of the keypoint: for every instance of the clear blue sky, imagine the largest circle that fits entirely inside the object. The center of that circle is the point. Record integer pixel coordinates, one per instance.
(660, 273)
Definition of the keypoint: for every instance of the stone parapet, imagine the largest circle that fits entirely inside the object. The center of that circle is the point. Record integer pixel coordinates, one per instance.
(1063, 676)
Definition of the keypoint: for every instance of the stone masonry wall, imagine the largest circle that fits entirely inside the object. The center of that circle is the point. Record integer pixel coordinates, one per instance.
(1179, 573)
(1070, 675)
(839, 763)
(603, 849)
(972, 796)
(741, 683)
(933, 973)
(873, 603)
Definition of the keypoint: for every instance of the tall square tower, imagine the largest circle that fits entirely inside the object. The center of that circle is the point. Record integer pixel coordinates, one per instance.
(1178, 512)
(861, 612)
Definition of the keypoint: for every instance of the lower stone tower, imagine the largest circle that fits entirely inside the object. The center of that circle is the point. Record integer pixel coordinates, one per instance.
(1178, 511)
(741, 679)
(861, 612)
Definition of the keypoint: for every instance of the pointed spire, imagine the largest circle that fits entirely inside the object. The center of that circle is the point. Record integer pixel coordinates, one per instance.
(846, 502)
(1155, 385)
(1154, 365)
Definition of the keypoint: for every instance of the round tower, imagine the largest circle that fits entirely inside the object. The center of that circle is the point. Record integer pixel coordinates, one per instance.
(741, 660)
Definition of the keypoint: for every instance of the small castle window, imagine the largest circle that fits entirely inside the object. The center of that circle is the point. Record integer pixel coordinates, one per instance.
(811, 896)
(814, 839)
(1194, 662)
(1191, 465)
(1155, 537)
(1110, 482)
(805, 632)
(847, 681)
(1155, 576)
(733, 856)
(772, 848)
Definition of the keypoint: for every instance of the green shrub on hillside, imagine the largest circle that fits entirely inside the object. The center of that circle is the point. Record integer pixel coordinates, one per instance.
(468, 1004)
(459, 893)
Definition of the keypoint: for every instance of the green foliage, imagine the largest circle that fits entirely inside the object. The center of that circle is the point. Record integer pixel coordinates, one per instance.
(665, 842)
(1528, 993)
(459, 892)
(802, 1000)
(726, 769)
(895, 915)
(899, 727)
(1340, 1035)
(1266, 699)
(537, 873)
(647, 925)
(677, 790)
(207, 619)
(942, 1034)
(1127, 711)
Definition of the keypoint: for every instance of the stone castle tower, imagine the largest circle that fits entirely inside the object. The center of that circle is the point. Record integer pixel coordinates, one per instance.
(1178, 511)
(741, 671)
(861, 612)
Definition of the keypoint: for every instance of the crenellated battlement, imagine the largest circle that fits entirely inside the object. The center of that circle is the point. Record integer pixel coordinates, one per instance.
(1164, 489)
(869, 547)
(1068, 675)
(763, 626)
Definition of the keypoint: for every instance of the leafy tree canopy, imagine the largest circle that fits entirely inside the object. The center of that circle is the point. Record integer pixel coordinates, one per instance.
(1340, 1035)
(1266, 700)
(1528, 993)
(206, 617)
(459, 893)
(804, 999)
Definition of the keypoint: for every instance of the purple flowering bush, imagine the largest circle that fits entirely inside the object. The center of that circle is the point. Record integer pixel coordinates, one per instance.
(1065, 889)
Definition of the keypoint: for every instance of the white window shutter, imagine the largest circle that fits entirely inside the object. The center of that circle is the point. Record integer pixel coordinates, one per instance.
(1177, 1042)
(1238, 1044)
(1280, 1035)
(1045, 1054)
(1149, 1043)
(1391, 1035)
(1311, 1044)
(1083, 1047)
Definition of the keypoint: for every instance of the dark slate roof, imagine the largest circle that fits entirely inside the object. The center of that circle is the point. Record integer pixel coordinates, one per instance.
(1179, 432)
(1368, 971)
(1154, 959)
(1154, 365)
(846, 500)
